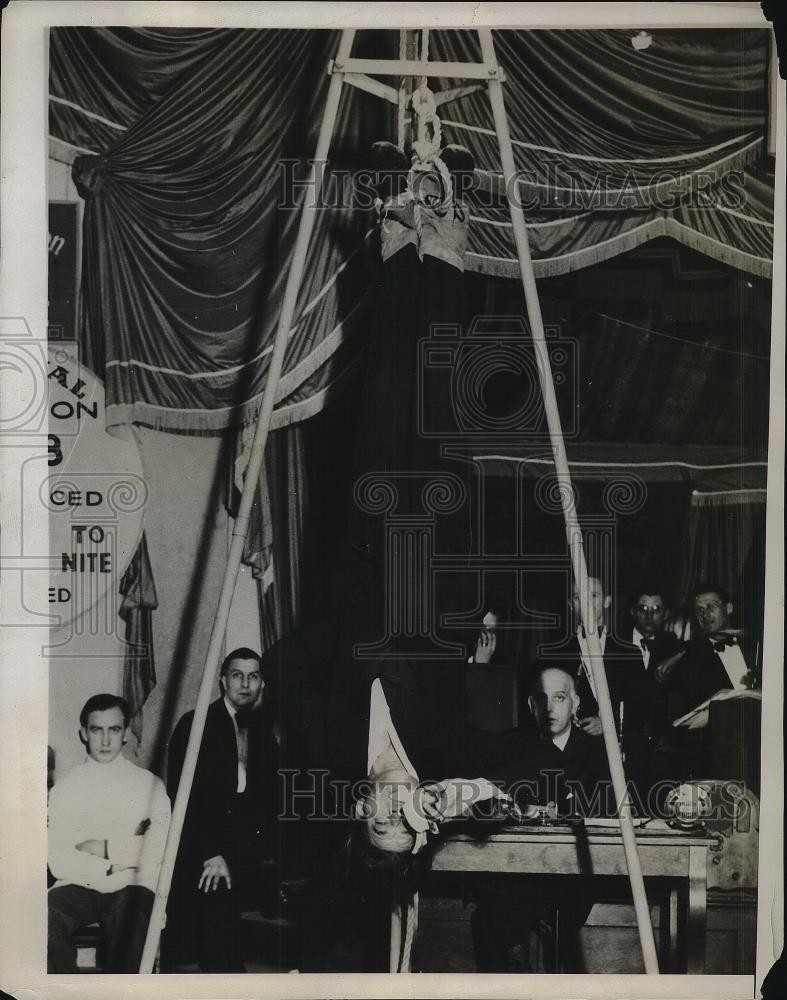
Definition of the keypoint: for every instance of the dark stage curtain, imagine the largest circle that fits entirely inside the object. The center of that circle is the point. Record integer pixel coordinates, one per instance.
(726, 546)
(689, 405)
(277, 542)
(186, 240)
(616, 146)
(190, 216)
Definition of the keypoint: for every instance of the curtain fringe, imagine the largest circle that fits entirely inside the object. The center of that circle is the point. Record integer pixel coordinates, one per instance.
(728, 498)
(576, 260)
(208, 422)
(724, 253)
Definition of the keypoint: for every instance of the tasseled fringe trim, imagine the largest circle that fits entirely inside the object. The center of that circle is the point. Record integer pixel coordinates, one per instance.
(728, 498)
(508, 267)
(210, 422)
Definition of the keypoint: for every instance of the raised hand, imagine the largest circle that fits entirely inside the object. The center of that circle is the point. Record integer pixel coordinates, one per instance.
(213, 871)
(486, 645)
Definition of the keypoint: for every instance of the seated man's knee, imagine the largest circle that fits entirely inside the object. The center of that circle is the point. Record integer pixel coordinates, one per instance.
(139, 898)
(62, 913)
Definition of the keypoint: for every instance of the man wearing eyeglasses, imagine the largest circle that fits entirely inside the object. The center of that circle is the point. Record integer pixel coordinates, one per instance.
(649, 614)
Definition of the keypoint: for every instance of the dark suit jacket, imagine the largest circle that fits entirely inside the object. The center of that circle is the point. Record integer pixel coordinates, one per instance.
(585, 778)
(626, 676)
(212, 820)
(629, 683)
(698, 676)
(536, 772)
(663, 645)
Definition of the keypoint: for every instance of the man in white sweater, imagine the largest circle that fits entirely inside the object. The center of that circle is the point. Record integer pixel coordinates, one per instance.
(108, 822)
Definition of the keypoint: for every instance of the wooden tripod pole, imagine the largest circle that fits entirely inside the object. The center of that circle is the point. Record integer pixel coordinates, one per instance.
(241, 526)
(573, 530)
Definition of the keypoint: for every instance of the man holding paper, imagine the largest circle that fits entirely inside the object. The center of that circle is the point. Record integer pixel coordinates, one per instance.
(716, 658)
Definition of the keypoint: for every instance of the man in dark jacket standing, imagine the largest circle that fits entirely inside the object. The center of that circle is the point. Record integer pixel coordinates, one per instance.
(633, 691)
(718, 657)
(229, 836)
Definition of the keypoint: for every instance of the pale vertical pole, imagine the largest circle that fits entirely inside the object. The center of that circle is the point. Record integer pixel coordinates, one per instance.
(573, 530)
(396, 936)
(241, 527)
(773, 89)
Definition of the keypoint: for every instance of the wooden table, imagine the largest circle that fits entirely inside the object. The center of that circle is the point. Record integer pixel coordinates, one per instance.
(669, 856)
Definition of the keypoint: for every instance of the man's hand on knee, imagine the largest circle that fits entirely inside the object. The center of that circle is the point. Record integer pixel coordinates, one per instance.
(213, 871)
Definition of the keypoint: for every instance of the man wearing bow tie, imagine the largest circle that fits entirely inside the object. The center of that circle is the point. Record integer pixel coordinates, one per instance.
(716, 658)
(230, 826)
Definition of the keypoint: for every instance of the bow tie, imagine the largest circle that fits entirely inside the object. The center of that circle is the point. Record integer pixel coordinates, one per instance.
(721, 644)
(646, 643)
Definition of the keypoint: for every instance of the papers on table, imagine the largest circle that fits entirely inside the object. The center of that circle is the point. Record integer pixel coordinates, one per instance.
(698, 717)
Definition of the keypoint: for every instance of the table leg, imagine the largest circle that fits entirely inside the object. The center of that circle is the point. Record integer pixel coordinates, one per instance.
(695, 930)
(667, 930)
(673, 918)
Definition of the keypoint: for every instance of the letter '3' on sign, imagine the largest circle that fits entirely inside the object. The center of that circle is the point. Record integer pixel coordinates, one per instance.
(95, 491)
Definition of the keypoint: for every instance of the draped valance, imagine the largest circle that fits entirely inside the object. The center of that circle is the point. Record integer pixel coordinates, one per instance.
(188, 145)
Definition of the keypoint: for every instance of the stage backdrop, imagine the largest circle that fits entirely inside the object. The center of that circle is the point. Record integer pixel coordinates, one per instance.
(192, 141)
(188, 146)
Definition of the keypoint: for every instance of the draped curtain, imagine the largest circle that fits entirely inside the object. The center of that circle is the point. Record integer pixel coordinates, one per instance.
(726, 542)
(188, 139)
(139, 601)
(191, 207)
(670, 408)
(615, 147)
(277, 540)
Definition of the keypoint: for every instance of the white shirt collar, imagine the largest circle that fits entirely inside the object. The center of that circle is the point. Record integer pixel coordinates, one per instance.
(638, 639)
(230, 708)
(735, 664)
(561, 740)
